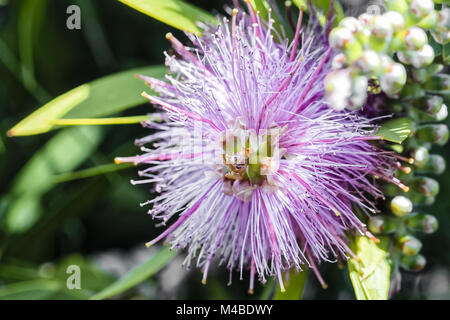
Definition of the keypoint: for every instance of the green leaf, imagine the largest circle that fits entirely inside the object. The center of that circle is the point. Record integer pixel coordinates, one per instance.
(63, 153)
(105, 96)
(104, 121)
(29, 290)
(370, 275)
(31, 15)
(137, 274)
(294, 286)
(395, 130)
(175, 13)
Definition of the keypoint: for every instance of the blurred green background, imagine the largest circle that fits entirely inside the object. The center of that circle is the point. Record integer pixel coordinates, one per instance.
(49, 219)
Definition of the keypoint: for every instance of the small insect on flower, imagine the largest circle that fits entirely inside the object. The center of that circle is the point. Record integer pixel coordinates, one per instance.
(253, 167)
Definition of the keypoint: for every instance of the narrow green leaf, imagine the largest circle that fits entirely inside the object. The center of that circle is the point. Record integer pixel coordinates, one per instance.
(137, 274)
(322, 8)
(63, 153)
(263, 7)
(175, 13)
(294, 286)
(105, 96)
(395, 130)
(29, 290)
(370, 275)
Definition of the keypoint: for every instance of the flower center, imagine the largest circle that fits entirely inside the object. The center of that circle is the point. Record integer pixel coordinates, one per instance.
(249, 159)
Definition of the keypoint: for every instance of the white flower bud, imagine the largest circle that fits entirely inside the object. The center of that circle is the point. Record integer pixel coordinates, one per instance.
(338, 61)
(381, 27)
(338, 87)
(340, 37)
(422, 57)
(421, 8)
(369, 61)
(415, 38)
(396, 19)
(352, 24)
(394, 79)
(359, 92)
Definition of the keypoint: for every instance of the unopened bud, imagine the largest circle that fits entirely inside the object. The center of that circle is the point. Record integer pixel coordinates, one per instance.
(409, 245)
(401, 206)
(443, 24)
(381, 27)
(420, 156)
(359, 92)
(396, 19)
(419, 199)
(424, 74)
(413, 263)
(427, 186)
(438, 83)
(421, 8)
(352, 24)
(435, 165)
(338, 61)
(397, 5)
(429, 104)
(340, 37)
(415, 38)
(338, 87)
(369, 61)
(423, 222)
(365, 18)
(423, 57)
(394, 79)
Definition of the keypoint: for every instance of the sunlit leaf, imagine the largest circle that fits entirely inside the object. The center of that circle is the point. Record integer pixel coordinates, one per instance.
(102, 97)
(395, 130)
(294, 286)
(370, 275)
(175, 13)
(137, 274)
(100, 121)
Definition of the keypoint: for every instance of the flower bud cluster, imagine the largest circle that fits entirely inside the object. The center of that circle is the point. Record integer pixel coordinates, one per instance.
(403, 225)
